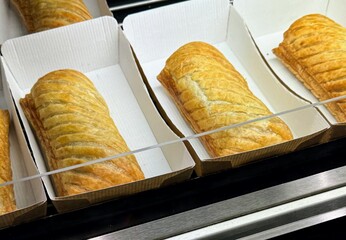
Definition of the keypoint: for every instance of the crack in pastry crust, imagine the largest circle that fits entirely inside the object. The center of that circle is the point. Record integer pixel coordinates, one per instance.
(40, 15)
(210, 93)
(314, 50)
(7, 199)
(72, 123)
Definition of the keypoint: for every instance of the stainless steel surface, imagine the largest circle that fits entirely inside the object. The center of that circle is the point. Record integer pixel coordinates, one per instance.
(278, 220)
(136, 4)
(300, 224)
(252, 213)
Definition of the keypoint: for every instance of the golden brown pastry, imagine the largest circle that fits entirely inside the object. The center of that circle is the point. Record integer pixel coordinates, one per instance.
(72, 123)
(40, 15)
(7, 200)
(210, 93)
(314, 50)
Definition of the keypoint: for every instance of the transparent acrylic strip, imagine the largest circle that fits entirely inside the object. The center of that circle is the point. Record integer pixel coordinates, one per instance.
(172, 141)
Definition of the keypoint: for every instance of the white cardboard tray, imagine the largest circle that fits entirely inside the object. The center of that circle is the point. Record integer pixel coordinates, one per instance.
(98, 49)
(157, 33)
(267, 20)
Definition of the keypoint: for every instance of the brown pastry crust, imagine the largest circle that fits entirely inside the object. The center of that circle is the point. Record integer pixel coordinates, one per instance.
(210, 93)
(40, 15)
(7, 200)
(314, 50)
(72, 123)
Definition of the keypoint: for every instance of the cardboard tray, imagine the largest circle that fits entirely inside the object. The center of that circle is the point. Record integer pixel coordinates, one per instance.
(266, 22)
(30, 197)
(99, 49)
(11, 25)
(155, 34)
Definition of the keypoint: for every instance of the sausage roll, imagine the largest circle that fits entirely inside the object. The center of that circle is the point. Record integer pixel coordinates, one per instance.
(40, 15)
(314, 50)
(73, 125)
(210, 93)
(7, 200)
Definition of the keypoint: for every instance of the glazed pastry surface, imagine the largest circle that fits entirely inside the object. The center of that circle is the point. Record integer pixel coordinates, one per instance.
(72, 122)
(7, 199)
(314, 50)
(40, 15)
(210, 93)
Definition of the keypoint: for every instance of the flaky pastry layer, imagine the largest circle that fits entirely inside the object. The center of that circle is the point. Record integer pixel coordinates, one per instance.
(7, 199)
(314, 50)
(72, 123)
(210, 93)
(40, 15)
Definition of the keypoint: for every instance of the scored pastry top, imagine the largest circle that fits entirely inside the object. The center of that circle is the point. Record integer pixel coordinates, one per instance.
(40, 15)
(314, 50)
(7, 198)
(210, 93)
(73, 125)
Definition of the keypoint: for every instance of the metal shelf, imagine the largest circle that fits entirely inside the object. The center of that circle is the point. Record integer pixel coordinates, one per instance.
(249, 194)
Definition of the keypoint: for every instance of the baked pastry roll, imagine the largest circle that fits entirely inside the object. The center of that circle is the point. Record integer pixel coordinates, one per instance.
(210, 93)
(72, 123)
(40, 15)
(7, 200)
(314, 50)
